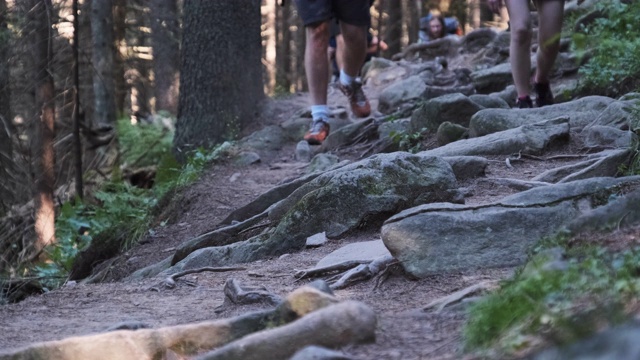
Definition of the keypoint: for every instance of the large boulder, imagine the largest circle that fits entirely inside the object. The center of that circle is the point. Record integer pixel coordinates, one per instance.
(443, 238)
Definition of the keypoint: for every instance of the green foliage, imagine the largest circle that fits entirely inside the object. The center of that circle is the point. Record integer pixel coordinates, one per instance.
(118, 204)
(143, 144)
(410, 142)
(171, 174)
(614, 42)
(547, 300)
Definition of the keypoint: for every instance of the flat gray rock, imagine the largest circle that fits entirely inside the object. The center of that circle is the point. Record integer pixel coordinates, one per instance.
(367, 250)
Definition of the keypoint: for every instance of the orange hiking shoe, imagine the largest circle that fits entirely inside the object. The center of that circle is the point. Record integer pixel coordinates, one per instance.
(318, 132)
(358, 101)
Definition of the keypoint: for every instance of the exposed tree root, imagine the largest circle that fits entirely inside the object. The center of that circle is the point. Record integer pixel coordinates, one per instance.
(333, 326)
(457, 296)
(170, 281)
(315, 272)
(356, 271)
(244, 295)
(393, 267)
(362, 272)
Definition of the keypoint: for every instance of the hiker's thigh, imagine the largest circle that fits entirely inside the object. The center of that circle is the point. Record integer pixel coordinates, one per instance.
(314, 11)
(353, 12)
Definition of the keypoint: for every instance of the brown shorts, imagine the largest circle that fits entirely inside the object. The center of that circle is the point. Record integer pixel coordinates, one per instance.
(354, 12)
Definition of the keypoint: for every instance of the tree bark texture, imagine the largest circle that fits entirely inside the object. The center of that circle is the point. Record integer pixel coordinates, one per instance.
(103, 62)
(75, 116)
(221, 78)
(42, 142)
(393, 27)
(284, 72)
(120, 55)
(269, 44)
(6, 149)
(411, 14)
(165, 39)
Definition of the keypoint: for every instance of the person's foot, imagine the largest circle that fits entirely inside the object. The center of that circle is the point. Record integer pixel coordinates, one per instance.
(317, 133)
(544, 96)
(358, 101)
(524, 102)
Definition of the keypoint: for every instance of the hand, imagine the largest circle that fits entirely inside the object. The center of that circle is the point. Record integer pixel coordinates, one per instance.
(495, 5)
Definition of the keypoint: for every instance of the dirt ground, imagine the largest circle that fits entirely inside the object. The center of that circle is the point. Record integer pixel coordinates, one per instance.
(404, 330)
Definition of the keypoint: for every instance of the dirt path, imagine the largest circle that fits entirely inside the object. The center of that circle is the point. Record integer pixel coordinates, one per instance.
(404, 331)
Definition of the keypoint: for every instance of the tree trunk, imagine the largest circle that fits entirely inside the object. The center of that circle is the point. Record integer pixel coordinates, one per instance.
(44, 132)
(120, 54)
(165, 38)
(412, 19)
(283, 51)
(75, 116)
(474, 17)
(102, 55)
(297, 49)
(140, 62)
(393, 26)
(6, 150)
(269, 40)
(221, 79)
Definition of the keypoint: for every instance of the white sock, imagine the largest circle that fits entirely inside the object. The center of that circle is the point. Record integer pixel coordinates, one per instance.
(346, 79)
(319, 112)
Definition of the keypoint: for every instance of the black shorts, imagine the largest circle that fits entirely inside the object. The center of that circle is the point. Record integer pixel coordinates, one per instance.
(353, 12)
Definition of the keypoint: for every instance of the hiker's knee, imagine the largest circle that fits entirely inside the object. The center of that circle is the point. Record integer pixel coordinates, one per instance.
(318, 34)
(521, 33)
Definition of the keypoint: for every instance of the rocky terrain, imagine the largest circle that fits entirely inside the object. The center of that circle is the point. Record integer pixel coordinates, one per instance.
(402, 240)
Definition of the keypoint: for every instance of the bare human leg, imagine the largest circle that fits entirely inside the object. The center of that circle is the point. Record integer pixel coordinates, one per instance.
(550, 15)
(315, 62)
(520, 47)
(354, 48)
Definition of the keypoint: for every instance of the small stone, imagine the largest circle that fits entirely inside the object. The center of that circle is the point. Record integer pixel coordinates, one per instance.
(316, 240)
(234, 177)
(303, 151)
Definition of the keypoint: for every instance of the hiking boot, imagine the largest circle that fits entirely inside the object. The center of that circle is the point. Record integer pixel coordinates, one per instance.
(524, 102)
(544, 96)
(318, 132)
(358, 101)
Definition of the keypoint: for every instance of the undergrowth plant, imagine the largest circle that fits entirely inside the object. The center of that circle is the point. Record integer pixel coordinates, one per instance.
(613, 41)
(563, 303)
(142, 144)
(408, 141)
(117, 204)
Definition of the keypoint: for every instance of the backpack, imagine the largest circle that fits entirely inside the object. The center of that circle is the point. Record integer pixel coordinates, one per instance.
(451, 24)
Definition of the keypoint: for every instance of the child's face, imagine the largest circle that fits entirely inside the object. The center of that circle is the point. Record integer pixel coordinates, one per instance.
(435, 27)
